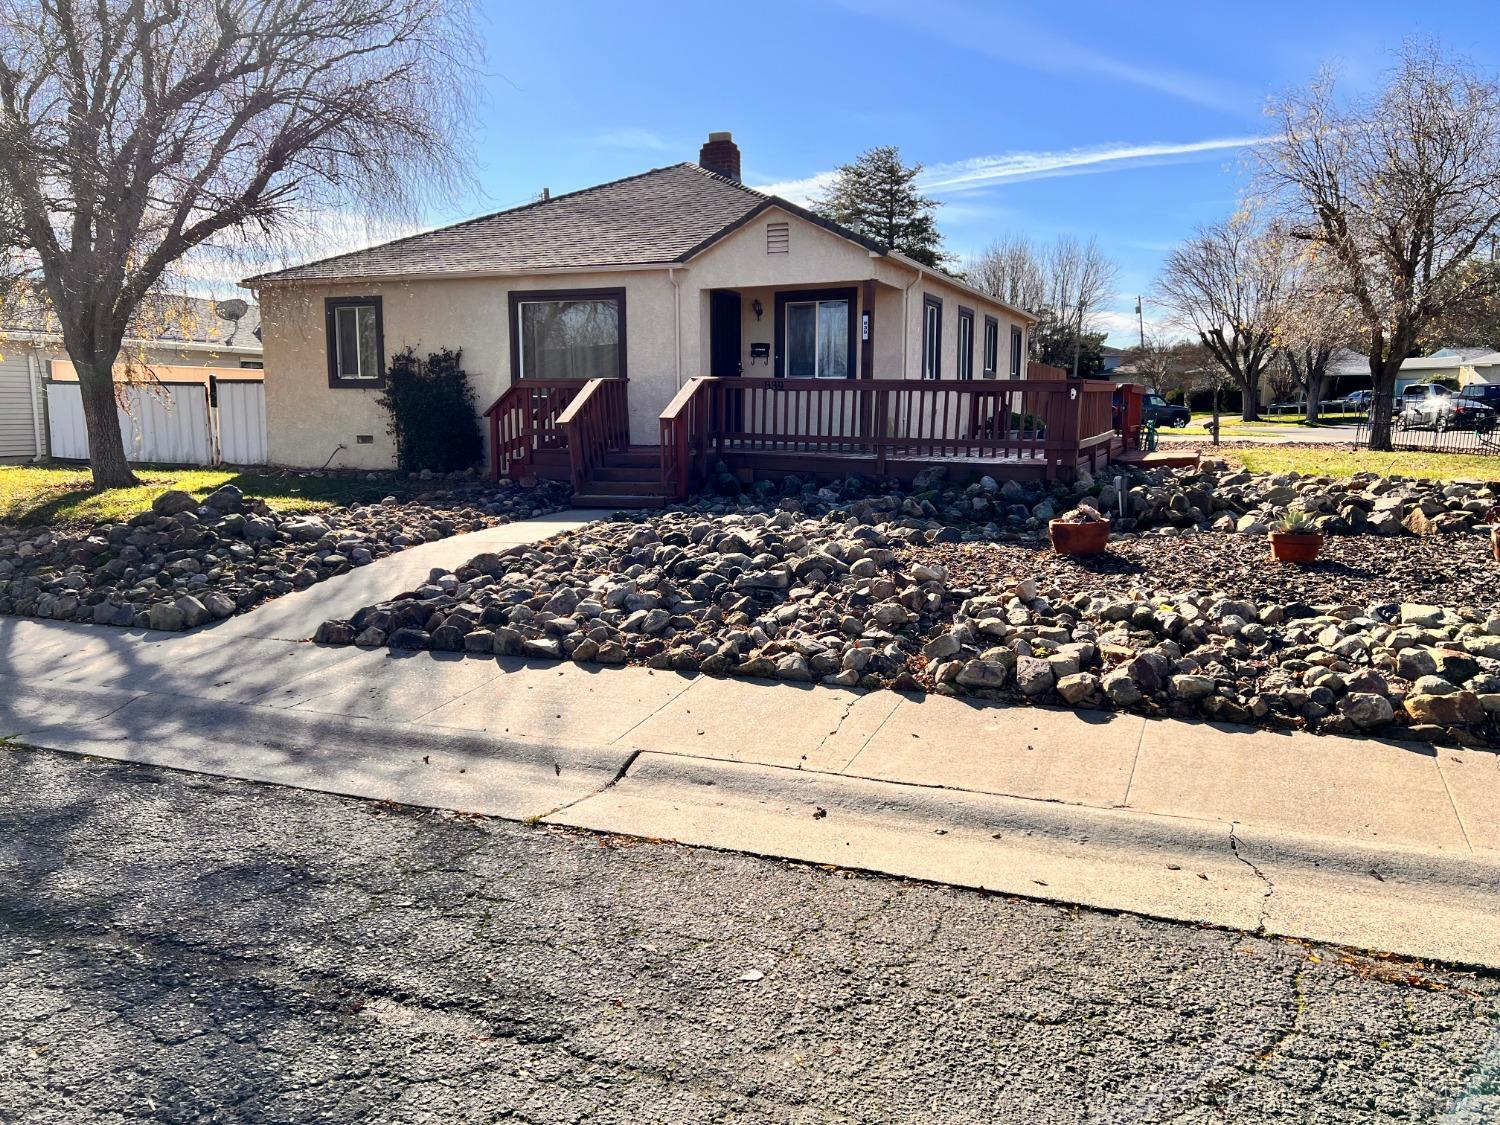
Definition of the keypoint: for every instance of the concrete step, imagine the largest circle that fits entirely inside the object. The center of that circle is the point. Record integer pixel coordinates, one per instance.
(649, 474)
(626, 487)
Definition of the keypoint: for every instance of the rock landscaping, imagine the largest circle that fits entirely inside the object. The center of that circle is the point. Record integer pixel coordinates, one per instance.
(184, 563)
(952, 589)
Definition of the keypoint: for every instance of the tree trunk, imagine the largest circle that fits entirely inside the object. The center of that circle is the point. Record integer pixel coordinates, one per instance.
(1314, 396)
(1250, 400)
(1383, 374)
(102, 422)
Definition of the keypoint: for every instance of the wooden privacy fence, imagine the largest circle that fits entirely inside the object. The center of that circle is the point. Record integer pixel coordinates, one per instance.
(873, 421)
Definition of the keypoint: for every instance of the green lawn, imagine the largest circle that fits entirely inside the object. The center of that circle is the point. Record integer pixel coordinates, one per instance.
(1229, 423)
(51, 495)
(1318, 460)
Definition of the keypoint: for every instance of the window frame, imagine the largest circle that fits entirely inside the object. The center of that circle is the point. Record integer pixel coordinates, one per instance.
(965, 370)
(990, 354)
(932, 345)
(786, 297)
(1017, 349)
(336, 380)
(519, 297)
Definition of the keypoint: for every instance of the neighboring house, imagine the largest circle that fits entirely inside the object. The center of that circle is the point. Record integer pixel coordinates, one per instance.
(678, 272)
(1458, 367)
(1112, 359)
(198, 339)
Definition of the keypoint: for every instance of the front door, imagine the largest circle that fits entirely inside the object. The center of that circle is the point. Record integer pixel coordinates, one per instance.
(724, 332)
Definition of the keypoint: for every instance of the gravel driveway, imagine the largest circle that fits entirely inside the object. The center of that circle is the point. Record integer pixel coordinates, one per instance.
(177, 947)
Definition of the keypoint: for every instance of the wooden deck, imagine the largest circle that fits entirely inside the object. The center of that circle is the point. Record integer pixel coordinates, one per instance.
(1029, 429)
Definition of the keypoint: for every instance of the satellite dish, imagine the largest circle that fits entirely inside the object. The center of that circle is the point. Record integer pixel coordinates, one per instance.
(232, 309)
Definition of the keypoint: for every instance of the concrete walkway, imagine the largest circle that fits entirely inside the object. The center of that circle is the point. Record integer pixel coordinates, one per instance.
(1386, 846)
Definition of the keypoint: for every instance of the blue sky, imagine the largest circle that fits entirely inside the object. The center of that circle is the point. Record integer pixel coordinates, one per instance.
(1122, 120)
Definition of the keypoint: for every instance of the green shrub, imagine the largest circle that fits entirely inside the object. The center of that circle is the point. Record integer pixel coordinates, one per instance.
(433, 419)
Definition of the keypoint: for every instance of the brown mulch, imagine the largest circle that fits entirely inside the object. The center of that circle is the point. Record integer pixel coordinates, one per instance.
(1353, 570)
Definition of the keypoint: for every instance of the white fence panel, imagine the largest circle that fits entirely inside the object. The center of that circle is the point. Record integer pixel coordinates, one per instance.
(242, 421)
(166, 424)
(66, 435)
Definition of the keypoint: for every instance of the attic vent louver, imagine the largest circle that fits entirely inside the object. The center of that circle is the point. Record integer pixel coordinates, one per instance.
(778, 238)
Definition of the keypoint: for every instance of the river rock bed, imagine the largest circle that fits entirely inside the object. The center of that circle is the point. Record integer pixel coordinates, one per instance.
(881, 593)
(183, 563)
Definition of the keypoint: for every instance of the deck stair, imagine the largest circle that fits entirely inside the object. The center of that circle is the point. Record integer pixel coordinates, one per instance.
(627, 478)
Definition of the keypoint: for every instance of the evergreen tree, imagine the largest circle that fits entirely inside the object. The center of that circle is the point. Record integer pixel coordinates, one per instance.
(877, 197)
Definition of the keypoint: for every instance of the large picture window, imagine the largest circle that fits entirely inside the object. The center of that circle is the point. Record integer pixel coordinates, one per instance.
(815, 334)
(356, 342)
(568, 334)
(965, 343)
(932, 337)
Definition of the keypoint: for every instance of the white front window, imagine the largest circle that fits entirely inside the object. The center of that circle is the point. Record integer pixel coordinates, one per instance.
(817, 339)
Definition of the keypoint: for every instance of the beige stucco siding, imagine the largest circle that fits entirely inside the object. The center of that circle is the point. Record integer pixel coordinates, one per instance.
(306, 418)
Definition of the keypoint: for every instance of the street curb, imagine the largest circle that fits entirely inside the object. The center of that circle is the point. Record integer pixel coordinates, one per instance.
(1416, 904)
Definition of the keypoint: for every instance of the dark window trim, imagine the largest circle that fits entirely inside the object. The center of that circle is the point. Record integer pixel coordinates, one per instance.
(1017, 350)
(615, 293)
(330, 305)
(965, 315)
(929, 301)
(990, 363)
(783, 296)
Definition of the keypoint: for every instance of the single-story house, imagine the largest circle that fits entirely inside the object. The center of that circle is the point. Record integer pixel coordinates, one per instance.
(192, 340)
(1457, 367)
(681, 281)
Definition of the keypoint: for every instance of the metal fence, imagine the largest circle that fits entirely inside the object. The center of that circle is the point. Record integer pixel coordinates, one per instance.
(170, 423)
(1435, 427)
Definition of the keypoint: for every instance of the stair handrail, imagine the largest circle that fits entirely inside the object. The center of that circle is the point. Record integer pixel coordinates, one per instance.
(523, 419)
(595, 423)
(686, 432)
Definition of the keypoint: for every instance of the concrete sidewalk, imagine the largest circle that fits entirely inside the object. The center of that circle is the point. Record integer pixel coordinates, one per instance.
(1387, 846)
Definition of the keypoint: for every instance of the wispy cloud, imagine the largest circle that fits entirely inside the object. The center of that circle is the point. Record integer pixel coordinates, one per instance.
(1004, 35)
(635, 140)
(978, 172)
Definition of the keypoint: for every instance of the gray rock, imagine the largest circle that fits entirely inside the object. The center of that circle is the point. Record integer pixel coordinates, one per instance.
(1080, 687)
(1367, 710)
(173, 501)
(1033, 676)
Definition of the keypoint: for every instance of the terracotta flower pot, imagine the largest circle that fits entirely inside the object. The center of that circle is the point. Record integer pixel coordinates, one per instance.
(1292, 547)
(1078, 538)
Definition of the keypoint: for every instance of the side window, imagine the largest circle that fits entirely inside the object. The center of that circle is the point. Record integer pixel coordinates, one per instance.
(1015, 352)
(991, 347)
(932, 337)
(965, 343)
(356, 342)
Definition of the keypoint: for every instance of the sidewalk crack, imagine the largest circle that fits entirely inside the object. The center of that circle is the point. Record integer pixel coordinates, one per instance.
(1265, 905)
(605, 788)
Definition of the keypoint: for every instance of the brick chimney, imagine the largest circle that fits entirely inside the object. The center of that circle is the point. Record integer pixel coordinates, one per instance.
(720, 154)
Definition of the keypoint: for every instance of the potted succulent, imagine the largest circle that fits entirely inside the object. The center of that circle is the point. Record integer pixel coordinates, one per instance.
(1295, 539)
(1083, 531)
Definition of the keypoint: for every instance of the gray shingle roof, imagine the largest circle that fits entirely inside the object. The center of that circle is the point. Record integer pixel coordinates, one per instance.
(657, 216)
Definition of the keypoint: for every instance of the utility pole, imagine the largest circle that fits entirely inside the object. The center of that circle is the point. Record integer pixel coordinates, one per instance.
(1078, 338)
(1141, 318)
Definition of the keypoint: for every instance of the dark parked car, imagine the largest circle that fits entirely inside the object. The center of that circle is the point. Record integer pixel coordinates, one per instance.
(1356, 402)
(1428, 406)
(1156, 409)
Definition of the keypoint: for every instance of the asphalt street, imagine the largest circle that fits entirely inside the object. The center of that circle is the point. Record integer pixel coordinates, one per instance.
(177, 947)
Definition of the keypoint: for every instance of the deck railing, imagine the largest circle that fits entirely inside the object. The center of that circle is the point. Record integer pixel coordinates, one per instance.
(524, 421)
(594, 423)
(1053, 422)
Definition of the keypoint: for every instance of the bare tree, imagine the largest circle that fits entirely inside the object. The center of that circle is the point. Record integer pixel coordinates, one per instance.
(134, 133)
(1011, 269)
(1403, 191)
(1317, 320)
(1226, 285)
(1064, 284)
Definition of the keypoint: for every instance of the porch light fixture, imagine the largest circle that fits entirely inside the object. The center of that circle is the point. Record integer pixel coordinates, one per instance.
(757, 308)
